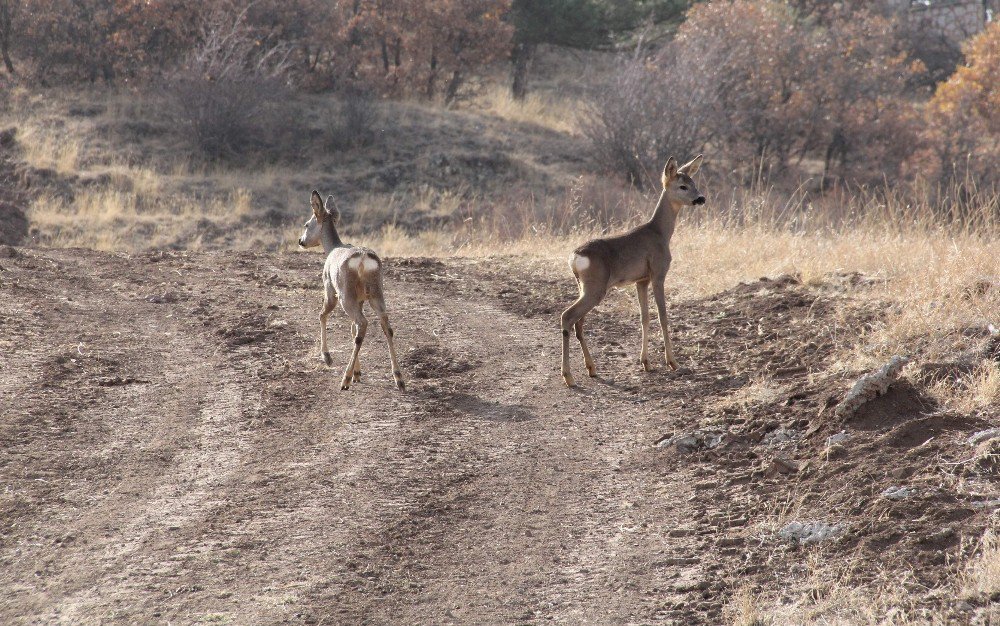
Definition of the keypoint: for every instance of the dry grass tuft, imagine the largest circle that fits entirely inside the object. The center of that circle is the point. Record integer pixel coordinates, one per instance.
(981, 577)
(559, 114)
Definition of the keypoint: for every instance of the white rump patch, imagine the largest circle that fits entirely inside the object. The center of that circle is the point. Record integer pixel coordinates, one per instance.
(354, 262)
(580, 263)
(370, 264)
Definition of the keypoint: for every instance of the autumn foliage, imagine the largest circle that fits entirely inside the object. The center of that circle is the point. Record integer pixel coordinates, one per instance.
(429, 47)
(963, 117)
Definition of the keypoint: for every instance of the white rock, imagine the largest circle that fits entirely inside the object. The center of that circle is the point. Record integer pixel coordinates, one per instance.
(811, 532)
(870, 386)
(838, 438)
(898, 493)
(984, 435)
(695, 440)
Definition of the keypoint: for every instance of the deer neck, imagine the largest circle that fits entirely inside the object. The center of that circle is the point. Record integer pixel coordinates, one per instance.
(665, 216)
(329, 237)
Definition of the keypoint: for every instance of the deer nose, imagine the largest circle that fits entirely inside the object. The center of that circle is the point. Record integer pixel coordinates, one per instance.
(300, 243)
(699, 200)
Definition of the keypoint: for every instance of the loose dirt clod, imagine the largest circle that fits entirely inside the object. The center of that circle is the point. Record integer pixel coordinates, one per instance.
(870, 386)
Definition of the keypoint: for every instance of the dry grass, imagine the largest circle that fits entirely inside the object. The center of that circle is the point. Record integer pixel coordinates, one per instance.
(552, 112)
(980, 579)
(975, 391)
(118, 220)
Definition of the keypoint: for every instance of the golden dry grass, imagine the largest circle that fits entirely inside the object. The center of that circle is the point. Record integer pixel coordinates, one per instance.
(548, 111)
(981, 577)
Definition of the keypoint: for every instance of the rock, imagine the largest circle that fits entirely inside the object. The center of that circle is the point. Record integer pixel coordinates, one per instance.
(8, 137)
(898, 493)
(869, 387)
(984, 435)
(164, 298)
(695, 440)
(781, 465)
(811, 532)
(780, 436)
(836, 451)
(986, 504)
(838, 438)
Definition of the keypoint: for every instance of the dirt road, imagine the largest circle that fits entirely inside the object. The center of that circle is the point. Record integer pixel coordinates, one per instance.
(173, 450)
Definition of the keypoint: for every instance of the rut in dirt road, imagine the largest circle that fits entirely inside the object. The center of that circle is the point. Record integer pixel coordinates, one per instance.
(173, 448)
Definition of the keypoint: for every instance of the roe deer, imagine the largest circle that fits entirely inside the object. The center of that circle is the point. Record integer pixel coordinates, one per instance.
(352, 275)
(640, 256)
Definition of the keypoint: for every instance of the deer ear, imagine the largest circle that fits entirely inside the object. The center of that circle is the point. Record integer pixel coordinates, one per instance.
(317, 206)
(691, 167)
(332, 210)
(669, 171)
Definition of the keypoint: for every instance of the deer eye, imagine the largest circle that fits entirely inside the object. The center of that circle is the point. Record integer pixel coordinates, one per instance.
(684, 187)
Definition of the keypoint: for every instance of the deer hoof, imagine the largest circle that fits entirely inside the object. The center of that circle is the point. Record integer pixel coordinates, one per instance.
(673, 364)
(592, 371)
(400, 385)
(357, 376)
(344, 386)
(569, 380)
(646, 366)
(327, 358)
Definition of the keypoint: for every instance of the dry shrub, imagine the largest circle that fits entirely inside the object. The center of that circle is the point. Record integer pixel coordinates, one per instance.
(755, 83)
(355, 121)
(649, 111)
(231, 98)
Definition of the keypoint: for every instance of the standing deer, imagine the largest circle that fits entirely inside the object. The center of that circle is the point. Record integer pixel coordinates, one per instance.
(640, 256)
(352, 275)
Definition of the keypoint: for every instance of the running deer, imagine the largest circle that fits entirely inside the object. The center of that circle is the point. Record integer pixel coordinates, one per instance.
(352, 275)
(640, 256)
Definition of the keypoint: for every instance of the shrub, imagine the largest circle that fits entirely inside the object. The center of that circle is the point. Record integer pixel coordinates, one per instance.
(354, 124)
(649, 112)
(231, 97)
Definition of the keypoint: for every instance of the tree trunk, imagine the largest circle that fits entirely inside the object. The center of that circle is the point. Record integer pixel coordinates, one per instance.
(432, 76)
(520, 59)
(5, 53)
(453, 85)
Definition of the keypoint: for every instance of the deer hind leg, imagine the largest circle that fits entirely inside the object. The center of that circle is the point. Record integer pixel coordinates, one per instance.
(587, 359)
(661, 312)
(356, 374)
(570, 319)
(378, 305)
(329, 303)
(360, 327)
(642, 291)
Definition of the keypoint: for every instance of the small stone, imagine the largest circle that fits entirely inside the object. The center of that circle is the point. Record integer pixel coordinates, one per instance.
(838, 438)
(781, 465)
(984, 435)
(695, 440)
(898, 493)
(811, 532)
(986, 504)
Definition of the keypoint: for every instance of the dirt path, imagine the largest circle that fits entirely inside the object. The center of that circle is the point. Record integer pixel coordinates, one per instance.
(174, 451)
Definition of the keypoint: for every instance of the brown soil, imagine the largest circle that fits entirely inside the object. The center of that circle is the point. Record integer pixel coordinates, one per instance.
(173, 450)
